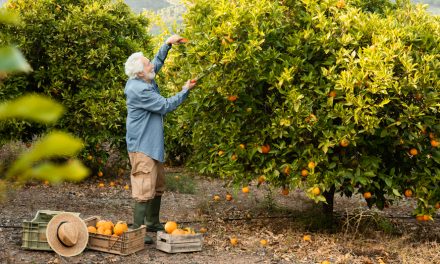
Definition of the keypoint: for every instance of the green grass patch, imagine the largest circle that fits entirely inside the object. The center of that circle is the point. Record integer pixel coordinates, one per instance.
(180, 182)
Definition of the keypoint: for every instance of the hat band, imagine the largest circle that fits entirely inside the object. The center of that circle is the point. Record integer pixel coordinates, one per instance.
(59, 239)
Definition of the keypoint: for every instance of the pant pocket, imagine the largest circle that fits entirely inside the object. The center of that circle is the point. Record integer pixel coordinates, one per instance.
(141, 178)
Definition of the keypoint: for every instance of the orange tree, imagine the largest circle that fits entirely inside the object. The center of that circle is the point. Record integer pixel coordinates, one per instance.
(77, 49)
(327, 96)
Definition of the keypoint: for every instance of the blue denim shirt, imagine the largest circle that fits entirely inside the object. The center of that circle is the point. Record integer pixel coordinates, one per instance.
(146, 108)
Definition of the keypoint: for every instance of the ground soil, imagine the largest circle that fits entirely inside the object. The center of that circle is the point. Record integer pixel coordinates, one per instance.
(359, 235)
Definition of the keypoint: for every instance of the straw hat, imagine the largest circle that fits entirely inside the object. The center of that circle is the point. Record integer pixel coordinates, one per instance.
(67, 234)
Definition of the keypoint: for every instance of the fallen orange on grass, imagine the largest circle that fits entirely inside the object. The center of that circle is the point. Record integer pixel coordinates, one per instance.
(216, 198)
(234, 241)
(408, 193)
(311, 165)
(263, 242)
(228, 197)
(245, 189)
(367, 195)
(307, 238)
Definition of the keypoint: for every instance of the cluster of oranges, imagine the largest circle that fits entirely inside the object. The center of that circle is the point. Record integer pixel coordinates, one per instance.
(104, 227)
(172, 228)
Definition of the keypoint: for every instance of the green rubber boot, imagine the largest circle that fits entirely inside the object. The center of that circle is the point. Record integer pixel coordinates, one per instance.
(152, 215)
(140, 209)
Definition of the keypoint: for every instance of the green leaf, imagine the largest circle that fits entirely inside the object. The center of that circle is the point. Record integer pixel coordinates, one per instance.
(11, 60)
(396, 193)
(73, 170)
(33, 107)
(56, 144)
(9, 17)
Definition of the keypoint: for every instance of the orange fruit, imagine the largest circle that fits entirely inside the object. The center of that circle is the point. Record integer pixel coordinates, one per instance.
(46, 182)
(434, 143)
(91, 229)
(178, 231)
(245, 189)
(108, 232)
(344, 143)
(263, 242)
(100, 174)
(228, 197)
(89, 157)
(340, 4)
(126, 187)
(408, 193)
(304, 173)
(413, 151)
(332, 94)
(242, 146)
(101, 185)
(216, 198)
(285, 191)
(311, 165)
(112, 184)
(261, 179)
(316, 191)
(234, 241)
(232, 98)
(287, 170)
(100, 223)
(265, 149)
(311, 118)
(426, 217)
(120, 228)
(437, 205)
(170, 226)
(419, 217)
(100, 230)
(234, 157)
(307, 238)
(108, 225)
(203, 230)
(221, 152)
(367, 195)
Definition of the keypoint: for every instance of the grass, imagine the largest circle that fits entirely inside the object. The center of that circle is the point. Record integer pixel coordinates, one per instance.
(180, 183)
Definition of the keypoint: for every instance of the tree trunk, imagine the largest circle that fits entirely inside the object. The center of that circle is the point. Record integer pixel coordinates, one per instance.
(327, 208)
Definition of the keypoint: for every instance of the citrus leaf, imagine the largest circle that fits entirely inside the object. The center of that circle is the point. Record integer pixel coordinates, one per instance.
(33, 107)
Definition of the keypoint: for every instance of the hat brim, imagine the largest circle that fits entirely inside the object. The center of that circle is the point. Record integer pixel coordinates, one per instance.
(57, 245)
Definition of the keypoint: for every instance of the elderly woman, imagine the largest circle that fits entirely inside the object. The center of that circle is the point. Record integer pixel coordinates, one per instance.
(145, 136)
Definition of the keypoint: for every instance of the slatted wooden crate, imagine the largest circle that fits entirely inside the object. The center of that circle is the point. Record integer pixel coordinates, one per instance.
(129, 242)
(179, 243)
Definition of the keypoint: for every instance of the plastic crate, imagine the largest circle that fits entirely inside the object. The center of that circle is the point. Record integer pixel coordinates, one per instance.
(129, 242)
(179, 243)
(34, 231)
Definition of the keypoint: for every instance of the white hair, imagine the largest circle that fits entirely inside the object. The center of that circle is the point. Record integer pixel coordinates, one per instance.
(134, 65)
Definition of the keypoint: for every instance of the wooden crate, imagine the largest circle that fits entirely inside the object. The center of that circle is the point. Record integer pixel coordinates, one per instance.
(179, 243)
(129, 242)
